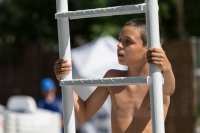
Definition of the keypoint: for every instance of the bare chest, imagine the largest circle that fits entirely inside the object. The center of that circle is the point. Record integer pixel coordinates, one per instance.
(133, 100)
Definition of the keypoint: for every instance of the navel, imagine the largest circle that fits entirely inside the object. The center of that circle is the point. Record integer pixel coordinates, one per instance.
(117, 108)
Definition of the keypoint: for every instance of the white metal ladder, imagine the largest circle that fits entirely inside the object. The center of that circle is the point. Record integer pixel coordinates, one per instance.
(150, 7)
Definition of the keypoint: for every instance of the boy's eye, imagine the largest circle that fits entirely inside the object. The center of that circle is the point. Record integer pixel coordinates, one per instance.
(128, 41)
(119, 39)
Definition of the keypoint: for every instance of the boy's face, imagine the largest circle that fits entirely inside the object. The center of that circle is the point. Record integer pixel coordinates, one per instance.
(131, 51)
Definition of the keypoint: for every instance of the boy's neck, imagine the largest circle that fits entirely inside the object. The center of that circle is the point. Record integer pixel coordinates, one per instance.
(138, 71)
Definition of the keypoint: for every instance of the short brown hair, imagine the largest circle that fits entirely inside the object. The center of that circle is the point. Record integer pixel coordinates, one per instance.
(141, 25)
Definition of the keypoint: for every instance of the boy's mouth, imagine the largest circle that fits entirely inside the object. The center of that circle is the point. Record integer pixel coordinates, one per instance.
(120, 54)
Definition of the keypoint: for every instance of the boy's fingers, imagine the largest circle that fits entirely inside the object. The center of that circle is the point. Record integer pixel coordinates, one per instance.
(65, 72)
(61, 61)
(155, 63)
(154, 55)
(151, 49)
(65, 69)
(154, 50)
(62, 65)
(154, 59)
(62, 72)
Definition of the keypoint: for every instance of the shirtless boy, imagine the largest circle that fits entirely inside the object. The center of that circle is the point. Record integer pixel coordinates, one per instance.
(130, 112)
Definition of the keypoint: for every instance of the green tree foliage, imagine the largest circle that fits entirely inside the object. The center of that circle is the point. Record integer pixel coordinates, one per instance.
(192, 17)
(167, 16)
(26, 21)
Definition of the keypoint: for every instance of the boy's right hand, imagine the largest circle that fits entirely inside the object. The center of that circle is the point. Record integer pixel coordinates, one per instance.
(61, 67)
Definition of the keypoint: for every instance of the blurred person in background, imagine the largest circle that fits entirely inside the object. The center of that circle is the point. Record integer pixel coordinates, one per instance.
(50, 100)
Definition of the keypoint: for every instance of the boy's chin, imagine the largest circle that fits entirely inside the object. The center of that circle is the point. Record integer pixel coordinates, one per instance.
(122, 63)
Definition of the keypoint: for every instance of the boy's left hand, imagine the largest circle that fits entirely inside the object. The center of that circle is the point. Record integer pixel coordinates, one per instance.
(158, 57)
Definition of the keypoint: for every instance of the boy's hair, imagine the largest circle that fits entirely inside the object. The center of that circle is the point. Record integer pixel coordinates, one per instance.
(141, 25)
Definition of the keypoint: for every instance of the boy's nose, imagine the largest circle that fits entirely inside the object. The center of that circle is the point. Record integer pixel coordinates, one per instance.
(119, 45)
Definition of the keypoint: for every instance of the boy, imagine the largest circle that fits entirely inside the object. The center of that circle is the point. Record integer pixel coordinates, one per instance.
(130, 112)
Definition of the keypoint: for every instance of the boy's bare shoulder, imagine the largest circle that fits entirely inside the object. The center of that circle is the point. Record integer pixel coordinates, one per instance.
(115, 73)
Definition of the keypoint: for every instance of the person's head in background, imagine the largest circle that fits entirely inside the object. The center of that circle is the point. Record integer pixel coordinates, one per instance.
(48, 87)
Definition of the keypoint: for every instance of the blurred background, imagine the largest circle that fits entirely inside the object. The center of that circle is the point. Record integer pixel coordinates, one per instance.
(29, 49)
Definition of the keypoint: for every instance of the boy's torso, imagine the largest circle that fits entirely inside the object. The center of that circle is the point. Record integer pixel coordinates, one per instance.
(131, 111)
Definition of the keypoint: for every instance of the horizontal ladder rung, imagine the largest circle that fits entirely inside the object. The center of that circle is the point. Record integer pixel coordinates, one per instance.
(98, 12)
(119, 81)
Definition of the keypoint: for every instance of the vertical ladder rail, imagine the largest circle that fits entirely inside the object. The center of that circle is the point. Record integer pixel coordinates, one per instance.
(156, 91)
(65, 52)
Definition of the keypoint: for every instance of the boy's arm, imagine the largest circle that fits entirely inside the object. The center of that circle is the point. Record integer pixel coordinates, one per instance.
(158, 57)
(169, 82)
(84, 110)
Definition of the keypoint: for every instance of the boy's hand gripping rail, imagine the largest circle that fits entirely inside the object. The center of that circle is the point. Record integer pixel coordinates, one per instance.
(98, 12)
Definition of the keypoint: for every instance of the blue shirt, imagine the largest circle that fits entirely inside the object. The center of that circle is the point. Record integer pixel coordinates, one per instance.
(55, 105)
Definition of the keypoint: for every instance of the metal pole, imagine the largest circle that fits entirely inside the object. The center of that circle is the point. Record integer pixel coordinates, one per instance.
(156, 92)
(65, 52)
